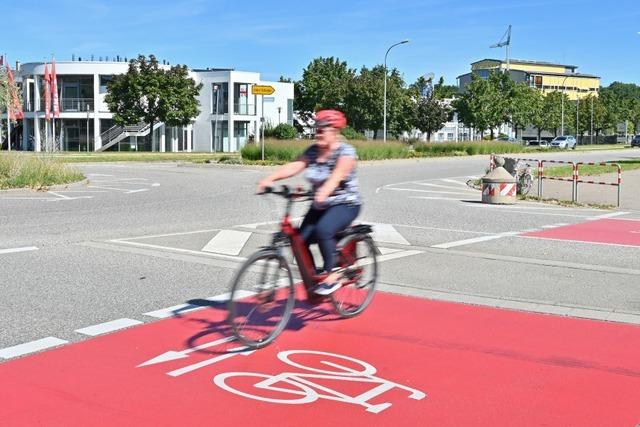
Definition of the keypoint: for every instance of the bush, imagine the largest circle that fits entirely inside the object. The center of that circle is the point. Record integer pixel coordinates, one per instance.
(350, 133)
(470, 148)
(284, 131)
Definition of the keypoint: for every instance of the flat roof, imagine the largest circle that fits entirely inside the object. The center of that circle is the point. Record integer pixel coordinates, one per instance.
(547, 73)
(522, 61)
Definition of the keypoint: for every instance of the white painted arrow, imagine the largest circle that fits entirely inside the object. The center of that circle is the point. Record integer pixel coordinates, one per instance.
(175, 355)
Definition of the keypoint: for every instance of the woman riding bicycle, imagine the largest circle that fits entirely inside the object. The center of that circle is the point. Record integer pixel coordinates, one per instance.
(329, 166)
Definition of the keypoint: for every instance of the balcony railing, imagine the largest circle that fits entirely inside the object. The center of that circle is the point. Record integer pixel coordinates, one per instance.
(76, 104)
(244, 109)
(72, 104)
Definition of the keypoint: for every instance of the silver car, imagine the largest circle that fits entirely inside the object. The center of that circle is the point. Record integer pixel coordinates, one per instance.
(564, 142)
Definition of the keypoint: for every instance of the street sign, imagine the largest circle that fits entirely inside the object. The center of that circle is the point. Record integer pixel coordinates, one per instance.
(262, 90)
(269, 99)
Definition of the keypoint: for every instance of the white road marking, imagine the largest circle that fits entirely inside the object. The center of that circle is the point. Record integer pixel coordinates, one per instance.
(16, 250)
(428, 191)
(435, 198)
(179, 309)
(186, 251)
(106, 327)
(448, 187)
(163, 313)
(152, 236)
(612, 215)
(175, 355)
(453, 181)
(30, 347)
(229, 242)
(230, 353)
(580, 241)
(155, 184)
(140, 190)
(387, 233)
(386, 251)
(474, 240)
(397, 255)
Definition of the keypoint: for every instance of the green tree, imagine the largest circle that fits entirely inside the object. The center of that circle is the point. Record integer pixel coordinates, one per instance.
(501, 96)
(150, 94)
(430, 115)
(525, 105)
(443, 91)
(324, 84)
(364, 101)
(552, 111)
(538, 114)
(474, 104)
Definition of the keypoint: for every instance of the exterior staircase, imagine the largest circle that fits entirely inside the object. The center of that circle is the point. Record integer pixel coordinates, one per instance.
(115, 134)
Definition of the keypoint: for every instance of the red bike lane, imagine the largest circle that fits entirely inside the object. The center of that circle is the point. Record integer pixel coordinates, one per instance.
(404, 361)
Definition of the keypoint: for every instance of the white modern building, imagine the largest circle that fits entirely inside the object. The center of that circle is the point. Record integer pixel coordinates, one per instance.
(229, 114)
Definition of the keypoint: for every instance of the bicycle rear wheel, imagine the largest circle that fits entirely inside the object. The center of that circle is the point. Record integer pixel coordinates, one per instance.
(262, 299)
(357, 256)
(525, 184)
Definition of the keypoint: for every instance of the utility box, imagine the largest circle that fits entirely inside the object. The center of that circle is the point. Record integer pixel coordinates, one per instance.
(499, 186)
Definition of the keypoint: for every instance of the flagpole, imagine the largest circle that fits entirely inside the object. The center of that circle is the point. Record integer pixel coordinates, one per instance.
(9, 101)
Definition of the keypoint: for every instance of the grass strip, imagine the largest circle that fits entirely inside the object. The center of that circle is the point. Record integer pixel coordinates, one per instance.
(20, 171)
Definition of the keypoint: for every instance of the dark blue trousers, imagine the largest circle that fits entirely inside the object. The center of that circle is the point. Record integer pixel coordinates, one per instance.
(321, 225)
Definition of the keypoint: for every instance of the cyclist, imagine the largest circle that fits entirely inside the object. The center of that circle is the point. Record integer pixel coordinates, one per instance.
(329, 166)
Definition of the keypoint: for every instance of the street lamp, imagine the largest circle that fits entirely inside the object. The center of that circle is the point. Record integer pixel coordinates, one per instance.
(562, 100)
(384, 137)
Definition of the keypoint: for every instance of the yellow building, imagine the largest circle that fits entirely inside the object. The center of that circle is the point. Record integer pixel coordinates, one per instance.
(545, 76)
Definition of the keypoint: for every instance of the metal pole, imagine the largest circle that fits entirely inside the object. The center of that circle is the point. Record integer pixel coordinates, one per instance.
(591, 131)
(384, 114)
(577, 118)
(215, 125)
(88, 130)
(262, 127)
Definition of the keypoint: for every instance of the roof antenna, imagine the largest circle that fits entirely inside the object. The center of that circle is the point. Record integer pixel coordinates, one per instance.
(505, 41)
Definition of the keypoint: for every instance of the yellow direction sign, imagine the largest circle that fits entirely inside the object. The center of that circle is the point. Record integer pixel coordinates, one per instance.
(262, 90)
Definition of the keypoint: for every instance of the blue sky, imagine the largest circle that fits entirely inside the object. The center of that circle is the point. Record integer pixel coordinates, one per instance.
(281, 38)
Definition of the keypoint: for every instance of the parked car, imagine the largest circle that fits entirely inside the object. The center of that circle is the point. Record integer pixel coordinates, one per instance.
(564, 142)
(635, 142)
(538, 142)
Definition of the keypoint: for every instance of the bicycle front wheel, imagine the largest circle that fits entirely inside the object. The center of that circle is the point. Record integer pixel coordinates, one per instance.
(262, 299)
(357, 256)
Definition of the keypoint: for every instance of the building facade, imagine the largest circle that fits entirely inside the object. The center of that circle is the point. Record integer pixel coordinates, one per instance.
(544, 76)
(230, 116)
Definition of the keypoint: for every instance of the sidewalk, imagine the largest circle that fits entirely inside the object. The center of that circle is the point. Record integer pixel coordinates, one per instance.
(598, 194)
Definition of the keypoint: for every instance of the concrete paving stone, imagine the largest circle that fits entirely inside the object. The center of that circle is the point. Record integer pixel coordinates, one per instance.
(624, 317)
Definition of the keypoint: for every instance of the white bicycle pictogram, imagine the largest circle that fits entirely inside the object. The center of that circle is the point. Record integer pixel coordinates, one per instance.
(303, 390)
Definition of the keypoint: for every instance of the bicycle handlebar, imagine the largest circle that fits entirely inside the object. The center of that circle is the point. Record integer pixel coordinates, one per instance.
(287, 193)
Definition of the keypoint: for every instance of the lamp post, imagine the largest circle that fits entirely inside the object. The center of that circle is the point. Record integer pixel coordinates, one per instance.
(87, 108)
(562, 98)
(384, 136)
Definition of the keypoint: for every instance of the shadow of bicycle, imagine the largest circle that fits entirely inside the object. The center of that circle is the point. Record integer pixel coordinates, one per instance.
(212, 319)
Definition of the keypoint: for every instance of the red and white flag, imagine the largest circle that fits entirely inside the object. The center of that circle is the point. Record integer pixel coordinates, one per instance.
(15, 109)
(47, 92)
(54, 91)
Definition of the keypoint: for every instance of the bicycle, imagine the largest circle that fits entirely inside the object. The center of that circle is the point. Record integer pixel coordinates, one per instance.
(520, 170)
(264, 286)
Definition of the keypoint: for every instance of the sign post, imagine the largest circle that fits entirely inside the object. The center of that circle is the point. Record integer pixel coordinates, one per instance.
(262, 90)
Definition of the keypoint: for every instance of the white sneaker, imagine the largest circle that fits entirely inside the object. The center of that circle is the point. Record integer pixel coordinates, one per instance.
(326, 288)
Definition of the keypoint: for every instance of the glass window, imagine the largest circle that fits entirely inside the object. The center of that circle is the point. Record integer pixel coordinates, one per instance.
(290, 111)
(220, 98)
(220, 135)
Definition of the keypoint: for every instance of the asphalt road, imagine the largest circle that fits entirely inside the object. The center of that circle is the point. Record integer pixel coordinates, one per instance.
(131, 242)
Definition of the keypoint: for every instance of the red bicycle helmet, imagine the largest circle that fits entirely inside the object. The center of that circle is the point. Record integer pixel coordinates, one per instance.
(333, 118)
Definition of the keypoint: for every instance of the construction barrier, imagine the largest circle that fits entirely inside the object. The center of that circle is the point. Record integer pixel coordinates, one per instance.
(580, 181)
(572, 180)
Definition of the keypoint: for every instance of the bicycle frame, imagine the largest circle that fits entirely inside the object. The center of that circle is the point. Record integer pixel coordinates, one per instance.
(301, 253)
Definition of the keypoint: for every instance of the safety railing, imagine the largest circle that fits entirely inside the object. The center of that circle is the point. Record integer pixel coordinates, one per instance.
(617, 184)
(572, 180)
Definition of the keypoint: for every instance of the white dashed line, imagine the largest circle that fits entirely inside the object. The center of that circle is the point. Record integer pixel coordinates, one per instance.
(30, 347)
(16, 250)
(106, 327)
(473, 240)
